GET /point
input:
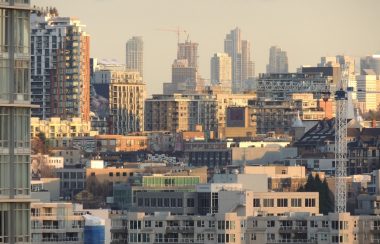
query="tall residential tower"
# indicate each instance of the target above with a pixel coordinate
(15, 122)
(278, 61)
(60, 66)
(135, 54)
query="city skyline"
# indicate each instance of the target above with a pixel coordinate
(261, 29)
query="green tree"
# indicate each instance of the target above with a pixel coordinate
(314, 184)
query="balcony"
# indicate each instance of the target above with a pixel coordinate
(179, 229)
(177, 240)
(292, 241)
(287, 229)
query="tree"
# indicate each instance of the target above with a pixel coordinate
(314, 184)
(40, 144)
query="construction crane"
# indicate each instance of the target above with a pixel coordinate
(178, 31)
(341, 143)
(341, 122)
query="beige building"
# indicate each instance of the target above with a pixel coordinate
(240, 123)
(126, 100)
(221, 70)
(227, 225)
(56, 223)
(226, 100)
(179, 112)
(296, 227)
(367, 86)
(309, 228)
(57, 128)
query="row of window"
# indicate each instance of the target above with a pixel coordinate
(165, 202)
(335, 225)
(284, 202)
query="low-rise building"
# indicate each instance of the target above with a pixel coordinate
(56, 223)
(57, 128)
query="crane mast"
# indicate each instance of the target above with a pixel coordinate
(341, 143)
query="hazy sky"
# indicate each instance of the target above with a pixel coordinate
(306, 29)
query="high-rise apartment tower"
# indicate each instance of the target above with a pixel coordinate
(15, 121)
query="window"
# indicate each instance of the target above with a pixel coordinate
(173, 202)
(139, 202)
(313, 224)
(179, 203)
(135, 225)
(117, 173)
(158, 224)
(4, 73)
(21, 73)
(268, 202)
(153, 202)
(159, 202)
(270, 237)
(296, 202)
(166, 202)
(110, 174)
(147, 224)
(200, 223)
(4, 175)
(282, 202)
(310, 202)
(22, 128)
(325, 223)
(256, 202)
(270, 223)
(4, 37)
(190, 202)
(146, 202)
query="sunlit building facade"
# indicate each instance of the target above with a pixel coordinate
(14, 121)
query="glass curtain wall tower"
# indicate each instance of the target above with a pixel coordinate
(14, 121)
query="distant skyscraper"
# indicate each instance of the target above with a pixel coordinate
(341, 61)
(221, 70)
(135, 54)
(188, 50)
(278, 61)
(60, 67)
(240, 53)
(370, 62)
(185, 78)
(15, 122)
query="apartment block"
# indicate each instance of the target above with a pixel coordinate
(179, 112)
(56, 127)
(60, 66)
(56, 223)
(309, 228)
(126, 98)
